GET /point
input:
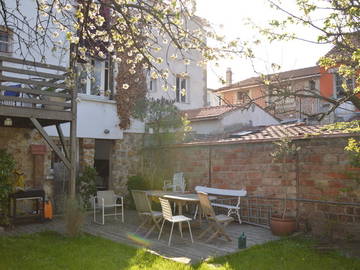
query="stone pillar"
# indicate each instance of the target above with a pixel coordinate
(87, 152)
(38, 151)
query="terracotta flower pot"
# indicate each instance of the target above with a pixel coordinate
(282, 226)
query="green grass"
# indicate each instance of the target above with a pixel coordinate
(50, 250)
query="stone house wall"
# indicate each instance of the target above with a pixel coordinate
(125, 161)
(321, 172)
(17, 142)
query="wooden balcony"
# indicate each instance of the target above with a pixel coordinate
(33, 90)
(35, 95)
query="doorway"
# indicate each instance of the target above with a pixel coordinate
(102, 163)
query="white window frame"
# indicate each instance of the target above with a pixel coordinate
(179, 98)
(152, 85)
(335, 90)
(103, 69)
(245, 95)
(9, 43)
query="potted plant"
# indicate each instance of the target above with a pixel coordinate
(280, 223)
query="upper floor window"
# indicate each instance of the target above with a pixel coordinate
(339, 89)
(182, 89)
(242, 97)
(152, 85)
(95, 78)
(312, 85)
(5, 40)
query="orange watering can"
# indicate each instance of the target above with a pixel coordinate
(48, 210)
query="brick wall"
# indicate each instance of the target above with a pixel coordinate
(319, 173)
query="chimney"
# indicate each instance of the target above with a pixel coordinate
(228, 76)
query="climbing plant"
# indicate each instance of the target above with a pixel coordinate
(87, 185)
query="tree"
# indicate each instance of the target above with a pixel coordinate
(340, 26)
(138, 35)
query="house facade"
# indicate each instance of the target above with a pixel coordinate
(225, 119)
(315, 80)
(100, 141)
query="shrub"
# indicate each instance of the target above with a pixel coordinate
(74, 217)
(87, 185)
(7, 166)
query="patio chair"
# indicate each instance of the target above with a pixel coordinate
(108, 199)
(167, 215)
(143, 207)
(217, 222)
(177, 183)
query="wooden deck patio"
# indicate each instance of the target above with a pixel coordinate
(181, 250)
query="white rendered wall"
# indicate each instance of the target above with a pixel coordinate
(235, 119)
(254, 116)
(58, 57)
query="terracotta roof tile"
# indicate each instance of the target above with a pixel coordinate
(272, 133)
(286, 75)
(209, 112)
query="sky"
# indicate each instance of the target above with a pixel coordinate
(233, 15)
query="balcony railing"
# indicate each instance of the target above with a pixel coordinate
(33, 88)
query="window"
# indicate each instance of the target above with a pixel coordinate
(339, 89)
(152, 85)
(96, 79)
(5, 40)
(242, 97)
(182, 89)
(312, 85)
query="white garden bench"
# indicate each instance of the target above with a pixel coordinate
(232, 208)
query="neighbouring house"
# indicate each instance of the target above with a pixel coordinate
(100, 142)
(325, 83)
(227, 118)
(253, 89)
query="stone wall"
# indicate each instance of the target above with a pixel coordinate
(17, 142)
(125, 161)
(86, 152)
(320, 172)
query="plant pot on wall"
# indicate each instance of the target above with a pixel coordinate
(282, 226)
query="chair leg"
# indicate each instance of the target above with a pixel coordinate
(215, 234)
(204, 232)
(142, 224)
(171, 231)
(180, 229)
(162, 226)
(196, 211)
(103, 215)
(238, 215)
(192, 240)
(94, 212)
(122, 213)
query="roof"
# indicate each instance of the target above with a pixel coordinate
(286, 75)
(273, 133)
(208, 113)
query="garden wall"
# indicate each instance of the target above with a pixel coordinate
(320, 172)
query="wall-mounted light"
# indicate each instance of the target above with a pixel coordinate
(106, 131)
(8, 122)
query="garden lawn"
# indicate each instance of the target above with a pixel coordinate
(50, 250)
